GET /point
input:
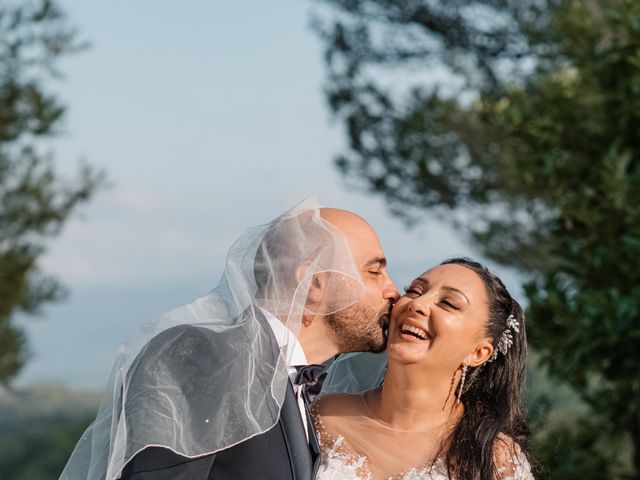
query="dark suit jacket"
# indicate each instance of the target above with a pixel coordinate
(281, 453)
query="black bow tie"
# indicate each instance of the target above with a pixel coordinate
(311, 376)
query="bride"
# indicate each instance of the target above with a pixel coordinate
(450, 404)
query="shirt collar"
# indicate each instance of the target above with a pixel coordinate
(290, 347)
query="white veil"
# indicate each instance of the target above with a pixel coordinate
(355, 372)
(208, 375)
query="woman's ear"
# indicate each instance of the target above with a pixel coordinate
(481, 354)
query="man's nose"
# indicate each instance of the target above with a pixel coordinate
(390, 292)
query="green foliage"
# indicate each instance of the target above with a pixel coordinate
(532, 147)
(567, 440)
(34, 201)
(576, 450)
(42, 452)
(39, 429)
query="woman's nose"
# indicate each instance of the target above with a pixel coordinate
(418, 307)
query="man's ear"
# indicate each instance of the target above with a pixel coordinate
(316, 290)
(316, 287)
(481, 354)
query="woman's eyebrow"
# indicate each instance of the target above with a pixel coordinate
(452, 289)
(446, 287)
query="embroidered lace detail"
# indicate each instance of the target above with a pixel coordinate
(339, 465)
(520, 470)
(512, 464)
(341, 462)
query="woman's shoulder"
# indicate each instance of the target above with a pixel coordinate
(334, 414)
(510, 459)
(338, 404)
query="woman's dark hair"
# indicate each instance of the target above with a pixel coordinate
(492, 392)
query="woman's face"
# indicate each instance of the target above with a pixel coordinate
(440, 320)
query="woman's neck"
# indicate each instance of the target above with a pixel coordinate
(412, 401)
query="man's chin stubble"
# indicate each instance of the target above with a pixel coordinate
(375, 341)
(353, 333)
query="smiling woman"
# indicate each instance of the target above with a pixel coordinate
(450, 404)
(443, 313)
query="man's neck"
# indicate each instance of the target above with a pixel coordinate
(290, 346)
(316, 341)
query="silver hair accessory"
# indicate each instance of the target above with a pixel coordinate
(506, 339)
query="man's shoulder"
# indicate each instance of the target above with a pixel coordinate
(200, 346)
(183, 348)
(182, 332)
(205, 334)
(180, 337)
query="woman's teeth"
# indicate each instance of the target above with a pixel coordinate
(415, 331)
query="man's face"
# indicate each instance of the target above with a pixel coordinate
(361, 327)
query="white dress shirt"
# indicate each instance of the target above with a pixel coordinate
(293, 355)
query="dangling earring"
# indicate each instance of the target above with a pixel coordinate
(464, 376)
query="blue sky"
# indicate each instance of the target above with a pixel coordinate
(208, 118)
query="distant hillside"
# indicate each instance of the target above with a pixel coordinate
(39, 427)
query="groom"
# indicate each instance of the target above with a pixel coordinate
(289, 449)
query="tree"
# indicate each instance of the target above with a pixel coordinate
(530, 145)
(35, 201)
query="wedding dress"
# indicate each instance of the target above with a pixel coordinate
(355, 446)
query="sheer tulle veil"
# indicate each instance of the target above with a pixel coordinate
(355, 372)
(158, 394)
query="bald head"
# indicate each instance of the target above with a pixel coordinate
(337, 217)
(362, 239)
(283, 248)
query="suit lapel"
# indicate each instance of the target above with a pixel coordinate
(295, 437)
(302, 455)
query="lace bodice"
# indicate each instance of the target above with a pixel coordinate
(357, 448)
(339, 464)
